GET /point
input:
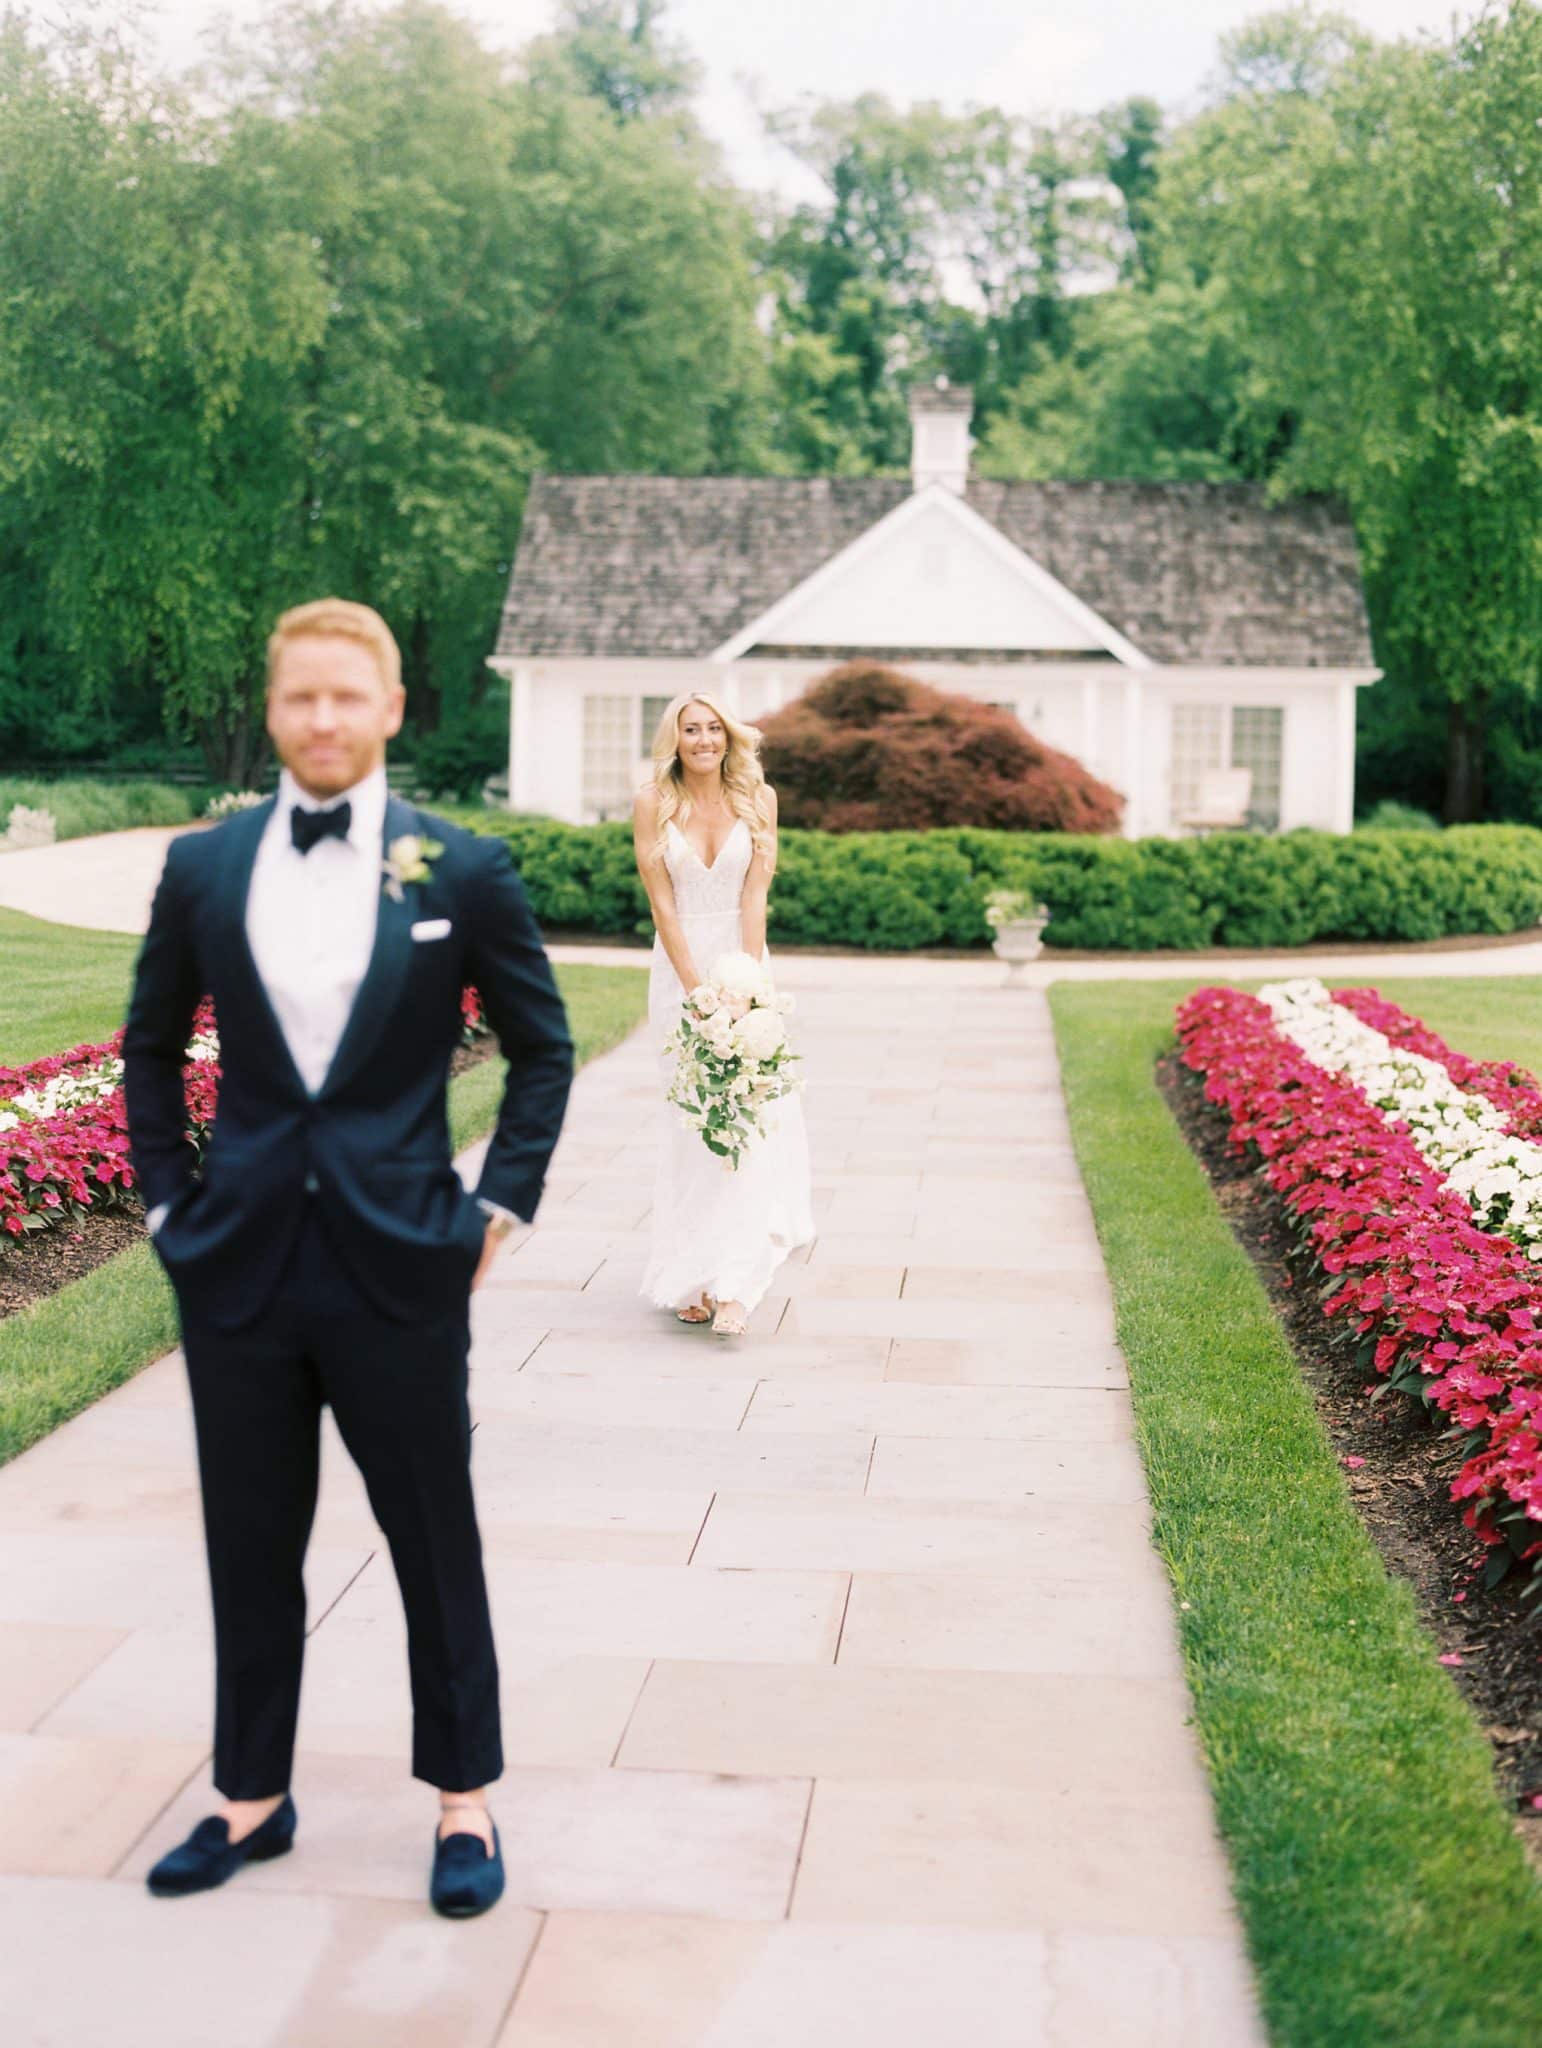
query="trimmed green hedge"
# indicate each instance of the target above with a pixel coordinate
(895, 891)
(82, 807)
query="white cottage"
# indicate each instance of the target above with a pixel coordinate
(1193, 645)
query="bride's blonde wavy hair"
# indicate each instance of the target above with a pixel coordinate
(744, 782)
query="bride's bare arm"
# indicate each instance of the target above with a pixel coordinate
(757, 888)
(661, 891)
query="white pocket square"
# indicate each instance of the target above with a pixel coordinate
(432, 928)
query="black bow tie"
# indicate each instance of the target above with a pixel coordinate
(309, 828)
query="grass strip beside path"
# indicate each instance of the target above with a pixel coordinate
(1385, 1895)
(60, 1356)
(59, 987)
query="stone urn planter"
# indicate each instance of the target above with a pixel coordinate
(28, 827)
(1017, 923)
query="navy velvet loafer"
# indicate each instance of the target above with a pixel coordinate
(468, 1876)
(208, 1856)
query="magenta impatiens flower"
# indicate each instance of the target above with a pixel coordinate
(55, 1169)
(1449, 1313)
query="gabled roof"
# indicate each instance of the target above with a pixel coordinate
(657, 566)
(883, 589)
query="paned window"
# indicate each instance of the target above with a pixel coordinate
(1210, 738)
(1199, 748)
(1258, 742)
(610, 755)
(653, 709)
(618, 747)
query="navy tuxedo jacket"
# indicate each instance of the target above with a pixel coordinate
(372, 1147)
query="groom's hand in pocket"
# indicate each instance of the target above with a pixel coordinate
(502, 1229)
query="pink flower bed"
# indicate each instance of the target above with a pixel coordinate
(1448, 1313)
(14, 1079)
(59, 1169)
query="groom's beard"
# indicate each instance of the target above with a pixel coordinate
(323, 782)
(328, 769)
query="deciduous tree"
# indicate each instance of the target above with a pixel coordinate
(1372, 216)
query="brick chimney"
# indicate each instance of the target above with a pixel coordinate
(940, 413)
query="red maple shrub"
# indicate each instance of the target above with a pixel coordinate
(869, 749)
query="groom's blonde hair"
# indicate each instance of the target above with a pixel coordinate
(336, 618)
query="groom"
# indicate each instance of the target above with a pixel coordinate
(328, 1252)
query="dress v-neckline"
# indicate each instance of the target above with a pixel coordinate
(708, 866)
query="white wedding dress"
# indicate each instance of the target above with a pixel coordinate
(716, 1230)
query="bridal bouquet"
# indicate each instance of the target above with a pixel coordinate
(731, 1053)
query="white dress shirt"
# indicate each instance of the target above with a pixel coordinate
(310, 922)
(310, 919)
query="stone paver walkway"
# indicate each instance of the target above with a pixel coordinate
(841, 1688)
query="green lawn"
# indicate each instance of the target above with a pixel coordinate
(1385, 1896)
(58, 1357)
(1491, 1017)
(59, 986)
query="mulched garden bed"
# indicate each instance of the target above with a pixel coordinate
(39, 1264)
(1402, 1488)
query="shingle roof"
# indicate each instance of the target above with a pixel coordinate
(659, 566)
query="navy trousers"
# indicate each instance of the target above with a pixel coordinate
(398, 1392)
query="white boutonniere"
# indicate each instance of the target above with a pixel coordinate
(407, 861)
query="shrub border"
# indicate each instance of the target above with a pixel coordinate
(909, 891)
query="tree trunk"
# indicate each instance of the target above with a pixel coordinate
(1466, 744)
(418, 674)
(234, 745)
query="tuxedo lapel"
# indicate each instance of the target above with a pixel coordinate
(245, 832)
(388, 962)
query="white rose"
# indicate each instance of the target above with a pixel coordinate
(718, 1032)
(738, 972)
(759, 1035)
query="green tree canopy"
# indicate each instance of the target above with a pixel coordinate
(1371, 216)
(313, 327)
(311, 322)
(946, 242)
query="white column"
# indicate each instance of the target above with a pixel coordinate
(1344, 778)
(724, 684)
(1090, 723)
(522, 740)
(1133, 754)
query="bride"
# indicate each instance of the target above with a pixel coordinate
(705, 834)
